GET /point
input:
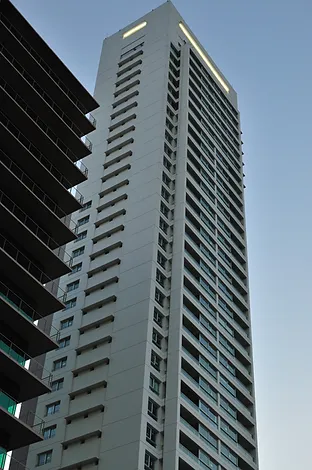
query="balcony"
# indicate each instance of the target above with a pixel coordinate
(14, 366)
(38, 206)
(25, 273)
(18, 431)
(18, 315)
(71, 95)
(39, 243)
(75, 172)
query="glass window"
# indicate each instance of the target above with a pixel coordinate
(154, 384)
(151, 434)
(72, 286)
(83, 220)
(44, 458)
(78, 252)
(156, 338)
(70, 303)
(60, 363)
(158, 317)
(53, 408)
(57, 385)
(64, 342)
(155, 360)
(152, 409)
(81, 236)
(149, 461)
(49, 432)
(67, 323)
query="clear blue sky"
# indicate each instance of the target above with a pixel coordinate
(264, 49)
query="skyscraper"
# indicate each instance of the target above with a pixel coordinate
(155, 367)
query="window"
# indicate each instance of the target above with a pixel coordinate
(59, 363)
(70, 303)
(78, 252)
(49, 432)
(166, 179)
(227, 429)
(149, 461)
(157, 338)
(86, 206)
(72, 286)
(83, 221)
(159, 297)
(152, 409)
(154, 384)
(160, 278)
(81, 236)
(76, 268)
(64, 342)
(155, 360)
(227, 385)
(165, 194)
(53, 408)
(229, 454)
(151, 435)
(161, 259)
(158, 317)
(44, 457)
(164, 209)
(57, 385)
(162, 242)
(228, 407)
(163, 225)
(167, 164)
(67, 323)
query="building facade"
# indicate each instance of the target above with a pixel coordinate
(155, 368)
(42, 122)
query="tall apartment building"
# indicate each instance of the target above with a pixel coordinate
(42, 120)
(155, 366)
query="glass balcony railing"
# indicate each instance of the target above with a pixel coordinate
(25, 262)
(28, 312)
(44, 95)
(35, 189)
(43, 64)
(6, 460)
(29, 418)
(38, 155)
(34, 228)
(19, 356)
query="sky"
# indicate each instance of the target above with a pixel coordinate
(264, 49)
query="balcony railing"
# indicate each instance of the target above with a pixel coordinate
(38, 155)
(30, 418)
(34, 228)
(91, 119)
(19, 356)
(35, 189)
(25, 262)
(40, 123)
(29, 312)
(6, 460)
(44, 95)
(43, 64)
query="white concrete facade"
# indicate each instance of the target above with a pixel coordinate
(158, 372)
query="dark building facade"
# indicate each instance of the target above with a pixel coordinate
(44, 116)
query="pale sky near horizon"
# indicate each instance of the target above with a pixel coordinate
(264, 50)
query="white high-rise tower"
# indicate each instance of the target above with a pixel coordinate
(155, 369)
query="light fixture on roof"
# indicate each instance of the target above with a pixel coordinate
(204, 57)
